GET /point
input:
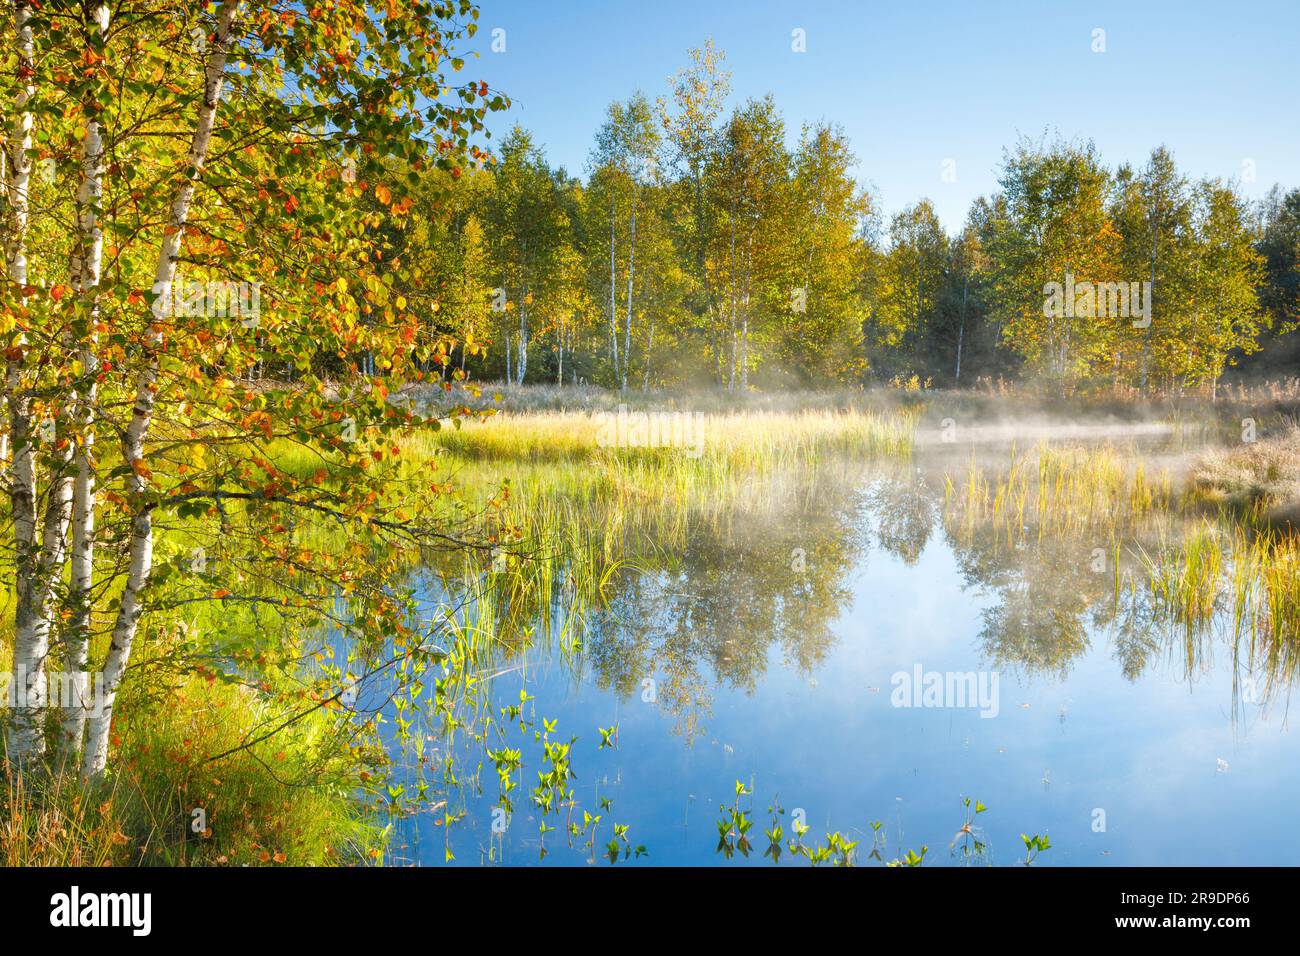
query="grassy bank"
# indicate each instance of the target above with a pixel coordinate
(168, 803)
(1260, 477)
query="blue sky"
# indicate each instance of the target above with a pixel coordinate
(916, 83)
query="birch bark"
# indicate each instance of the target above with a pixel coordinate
(25, 741)
(140, 560)
(82, 556)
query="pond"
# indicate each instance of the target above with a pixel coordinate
(861, 658)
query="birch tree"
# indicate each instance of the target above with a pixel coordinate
(627, 147)
(822, 337)
(752, 180)
(530, 237)
(912, 275)
(1055, 226)
(223, 170)
(1225, 316)
(690, 121)
(35, 564)
(1153, 213)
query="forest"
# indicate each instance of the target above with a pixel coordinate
(699, 250)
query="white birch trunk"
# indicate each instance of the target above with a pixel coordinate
(559, 355)
(613, 297)
(82, 556)
(631, 272)
(25, 740)
(141, 547)
(649, 353)
(522, 352)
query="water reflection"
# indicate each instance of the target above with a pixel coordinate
(713, 613)
(761, 646)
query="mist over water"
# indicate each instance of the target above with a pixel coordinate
(770, 649)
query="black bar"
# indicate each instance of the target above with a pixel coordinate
(334, 907)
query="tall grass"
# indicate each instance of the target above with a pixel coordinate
(567, 510)
(55, 822)
(1066, 491)
(1186, 583)
(288, 800)
(753, 439)
(576, 513)
(1231, 573)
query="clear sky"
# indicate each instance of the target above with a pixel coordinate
(915, 83)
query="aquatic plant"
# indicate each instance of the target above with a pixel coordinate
(1034, 845)
(968, 841)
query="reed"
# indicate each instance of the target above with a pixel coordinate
(1065, 491)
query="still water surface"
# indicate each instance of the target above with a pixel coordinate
(772, 654)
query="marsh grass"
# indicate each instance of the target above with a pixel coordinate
(1259, 481)
(1254, 575)
(566, 512)
(1277, 623)
(55, 822)
(1210, 573)
(1239, 584)
(1186, 581)
(1057, 491)
(752, 439)
(574, 516)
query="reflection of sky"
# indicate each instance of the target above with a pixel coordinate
(1146, 753)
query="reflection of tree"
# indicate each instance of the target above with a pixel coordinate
(1134, 626)
(727, 599)
(1051, 596)
(763, 572)
(1056, 589)
(1054, 596)
(903, 507)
